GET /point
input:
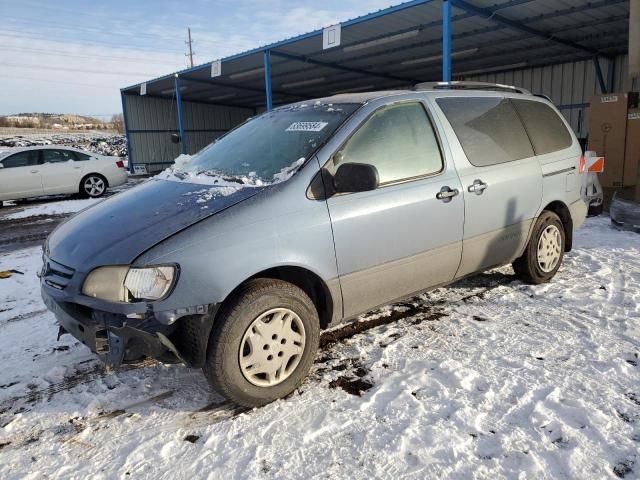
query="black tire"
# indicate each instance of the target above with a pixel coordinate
(595, 210)
(527, 267)
(254, 298)
(87, 192)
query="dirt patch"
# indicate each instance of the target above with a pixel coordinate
(191, 438)
(622, 469)
(354, 386)
(349, 330)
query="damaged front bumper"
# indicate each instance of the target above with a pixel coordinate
(123, 333)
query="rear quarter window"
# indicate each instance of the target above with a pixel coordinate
(488, 129)
(547, 131)
(81, 157)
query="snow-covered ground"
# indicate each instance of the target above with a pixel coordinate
(489, 378)
(59, 204)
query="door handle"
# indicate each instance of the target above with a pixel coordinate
(446, 194)
(477, 187)
(35, 171)
(77, 168)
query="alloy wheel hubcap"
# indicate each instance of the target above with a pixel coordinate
(272, 347)
(94, 186)
(549, 248)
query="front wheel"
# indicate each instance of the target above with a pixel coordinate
(263, 342)
(93, 186)
(545, 250)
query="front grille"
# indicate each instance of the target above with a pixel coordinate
(55, 274)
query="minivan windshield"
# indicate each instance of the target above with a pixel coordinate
(268, 148)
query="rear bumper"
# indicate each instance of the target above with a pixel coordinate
(578, 212)
(118, 178)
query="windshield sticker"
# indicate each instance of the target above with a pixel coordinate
(306, 126)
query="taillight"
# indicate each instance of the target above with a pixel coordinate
(120, 164)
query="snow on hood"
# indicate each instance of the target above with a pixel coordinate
(220, 184)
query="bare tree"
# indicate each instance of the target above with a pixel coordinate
(117, 121)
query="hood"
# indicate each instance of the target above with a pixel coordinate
(120, 228)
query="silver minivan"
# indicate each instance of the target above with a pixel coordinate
(234, 259)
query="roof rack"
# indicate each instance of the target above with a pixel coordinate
(470, 86)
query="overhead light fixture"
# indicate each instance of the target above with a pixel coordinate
(512, 66)
(248, 73)
(434, 58)
(171, 90)
(223, 97)
(381, 41)
(301, 83)
(354, 89)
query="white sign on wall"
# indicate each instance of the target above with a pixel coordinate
(331, 37)
(143, 88)
(140, 169)
(216, 68)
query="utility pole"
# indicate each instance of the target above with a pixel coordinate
(190, 54)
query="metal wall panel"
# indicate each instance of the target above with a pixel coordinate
(151, 121)
(569, 85)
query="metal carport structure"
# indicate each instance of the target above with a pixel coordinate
(420, 40)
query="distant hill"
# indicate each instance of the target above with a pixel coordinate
(54, 121)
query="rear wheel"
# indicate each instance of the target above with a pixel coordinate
(544, 253)
(263, 342)
(93, 186)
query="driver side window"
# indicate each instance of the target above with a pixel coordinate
(22, 159)
(398, 140)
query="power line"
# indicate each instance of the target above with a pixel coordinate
(46, 80)
(129, 46)
(78, 28)
(76, 70)
(90, 29)
(80, 55)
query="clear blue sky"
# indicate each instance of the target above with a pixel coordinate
(73, 56)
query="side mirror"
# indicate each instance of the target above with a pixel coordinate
(175, 138)
(355, 177)
(1, 165)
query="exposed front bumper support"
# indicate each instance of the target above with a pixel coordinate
(114, 338)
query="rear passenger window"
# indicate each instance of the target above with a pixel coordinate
(488, 129)
(57, 156)
(546, 130)
(398, 140)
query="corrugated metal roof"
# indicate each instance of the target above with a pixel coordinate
(401, 46)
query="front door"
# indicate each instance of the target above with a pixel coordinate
(20, 176)
(406, 235)
(501, 179)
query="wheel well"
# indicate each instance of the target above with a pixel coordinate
(308, 282)
(560, 209)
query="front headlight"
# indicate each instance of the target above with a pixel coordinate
(151, 283)
(125, 284)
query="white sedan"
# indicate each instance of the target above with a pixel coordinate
(37, 171)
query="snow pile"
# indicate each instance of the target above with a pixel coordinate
(221, 183)
(488, 378)
(113, 145)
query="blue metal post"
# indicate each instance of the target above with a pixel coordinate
(183, 139)
(599, 76)
(267, 78)
(126, 132)
(446, 40)
(611, 74)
